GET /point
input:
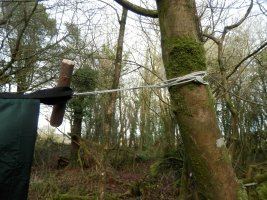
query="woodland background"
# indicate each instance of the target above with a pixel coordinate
(128, 144)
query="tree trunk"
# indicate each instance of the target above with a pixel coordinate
(76, 129)
(133, 111)
(110, 109)
(193, 104)
(234, 135)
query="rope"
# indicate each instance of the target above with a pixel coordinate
(196, 77)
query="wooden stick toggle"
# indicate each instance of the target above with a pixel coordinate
(64, 80)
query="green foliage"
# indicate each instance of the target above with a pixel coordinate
(48, 149)
(84, 79)
(40, 25)
(242, 193)
(161, 179)
(50, 186)
(259, 192)
(124, 157)
(39, 29)
(262, 191)
(44, 188)
(143, 155)
(71, 197)
(27, 34)
(74, 35)
(170, 162)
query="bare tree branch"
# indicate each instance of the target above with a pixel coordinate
(214, 39)
(227, 28)
(137, 9)
(247, 57)
(112, 8)
(263, 10)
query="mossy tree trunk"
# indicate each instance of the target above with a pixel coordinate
(206, 153)
(76, 130)
(192, 104)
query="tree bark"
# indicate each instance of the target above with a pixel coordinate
(137, 9)
(110, 108)
(229, 104)
(76, 129)
(193, 104)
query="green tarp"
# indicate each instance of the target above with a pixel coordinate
(18, 129)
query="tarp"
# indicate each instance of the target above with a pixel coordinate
(18, 127)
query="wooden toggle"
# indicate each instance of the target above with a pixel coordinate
(64, 80)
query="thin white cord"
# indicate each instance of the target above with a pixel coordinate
(196, 77)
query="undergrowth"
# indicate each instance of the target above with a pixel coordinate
(131, 174)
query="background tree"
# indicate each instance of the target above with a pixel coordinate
(84, 79)
(234, 67)
(192, 104)
(26, 38)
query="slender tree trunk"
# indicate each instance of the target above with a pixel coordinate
(143, 131)
(122, 139)
(193, 104)
(229, 104)
(133, 111)
(76, 130)
(110, 107)
(169, 128)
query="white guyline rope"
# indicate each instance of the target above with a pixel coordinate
(196, 77)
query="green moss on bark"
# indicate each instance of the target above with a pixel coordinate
(226, 156)
(211, 101)
(186, 55)
(200, 170)
(181, 106)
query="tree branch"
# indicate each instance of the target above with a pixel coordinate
(137, 9)
(263, 10)
(112, 8)
(247, 57)
(227, 28)
(18, 41)
(214, 39)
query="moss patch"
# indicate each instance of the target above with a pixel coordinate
(185, 55)
(226, 156)
(201, 172)
(211, 99)
(180, 107)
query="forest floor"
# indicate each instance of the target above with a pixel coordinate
(131, 182)
(130, 175)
